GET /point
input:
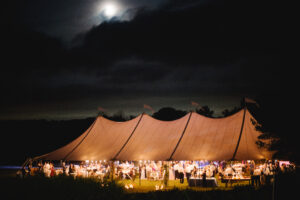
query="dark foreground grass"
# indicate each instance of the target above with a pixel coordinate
(56, 188)
(66, 188)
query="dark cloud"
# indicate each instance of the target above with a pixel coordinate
(66, 19)
(170, 49)
(200, 34)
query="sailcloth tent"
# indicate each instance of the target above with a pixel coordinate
(192, 137)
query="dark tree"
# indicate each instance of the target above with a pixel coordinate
(169, 114)
(227, 112)
(118, 117)
(205, 111)
(275, 120)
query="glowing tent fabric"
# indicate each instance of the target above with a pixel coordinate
(102, 141)
(210, 139)
(153, 139)
(192, 137)
(217, 138)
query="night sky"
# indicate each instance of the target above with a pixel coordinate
(64, 59)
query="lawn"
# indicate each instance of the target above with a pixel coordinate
(67, 188)
(147, 186)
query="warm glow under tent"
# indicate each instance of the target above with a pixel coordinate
(192, 137)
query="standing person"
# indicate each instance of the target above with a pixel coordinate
(176, 166)
(204, 178)
(257, 174)
(148, 171)
(30, 169)
(194, 172)
(143, 172)
(188, 170)
(252, 176)
(40, 167)
(64, 168)
(23, 171)
(71, 169)
(171, 172)
(252, 172)
(47, 169)
(52, 170)
(181, 173)
(267, 175)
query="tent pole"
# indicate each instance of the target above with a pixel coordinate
(187, 123)
(240, 136)
(115, 157)
(25, 163)
(65, 158)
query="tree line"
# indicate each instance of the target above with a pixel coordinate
(27, 138)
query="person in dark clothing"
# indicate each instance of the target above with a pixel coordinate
(181, 173)
(252, 176)
(40, 167)
(23, 171)
(175, 166)
(29, 169)
(177, 175)
(71, 169)
(188, 171)
(188, 176)
(194, 172)
(204, 179)
(181, 177)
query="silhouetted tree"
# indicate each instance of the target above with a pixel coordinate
(132, 117)
(205, 111)
(168, 114)
(227, 112)
(118, 117)
(275, 121)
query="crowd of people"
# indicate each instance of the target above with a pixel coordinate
(258, 173)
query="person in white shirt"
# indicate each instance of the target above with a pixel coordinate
(257, 172)
(256, 176)
(188, 170)
(176, 167)
(171, 172)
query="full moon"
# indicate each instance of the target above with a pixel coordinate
(109, 10)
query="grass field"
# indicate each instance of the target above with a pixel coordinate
(147, 186)
(62, 187)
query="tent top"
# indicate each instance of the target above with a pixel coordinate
(192, 137)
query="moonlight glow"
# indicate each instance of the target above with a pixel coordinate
(109, 10)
